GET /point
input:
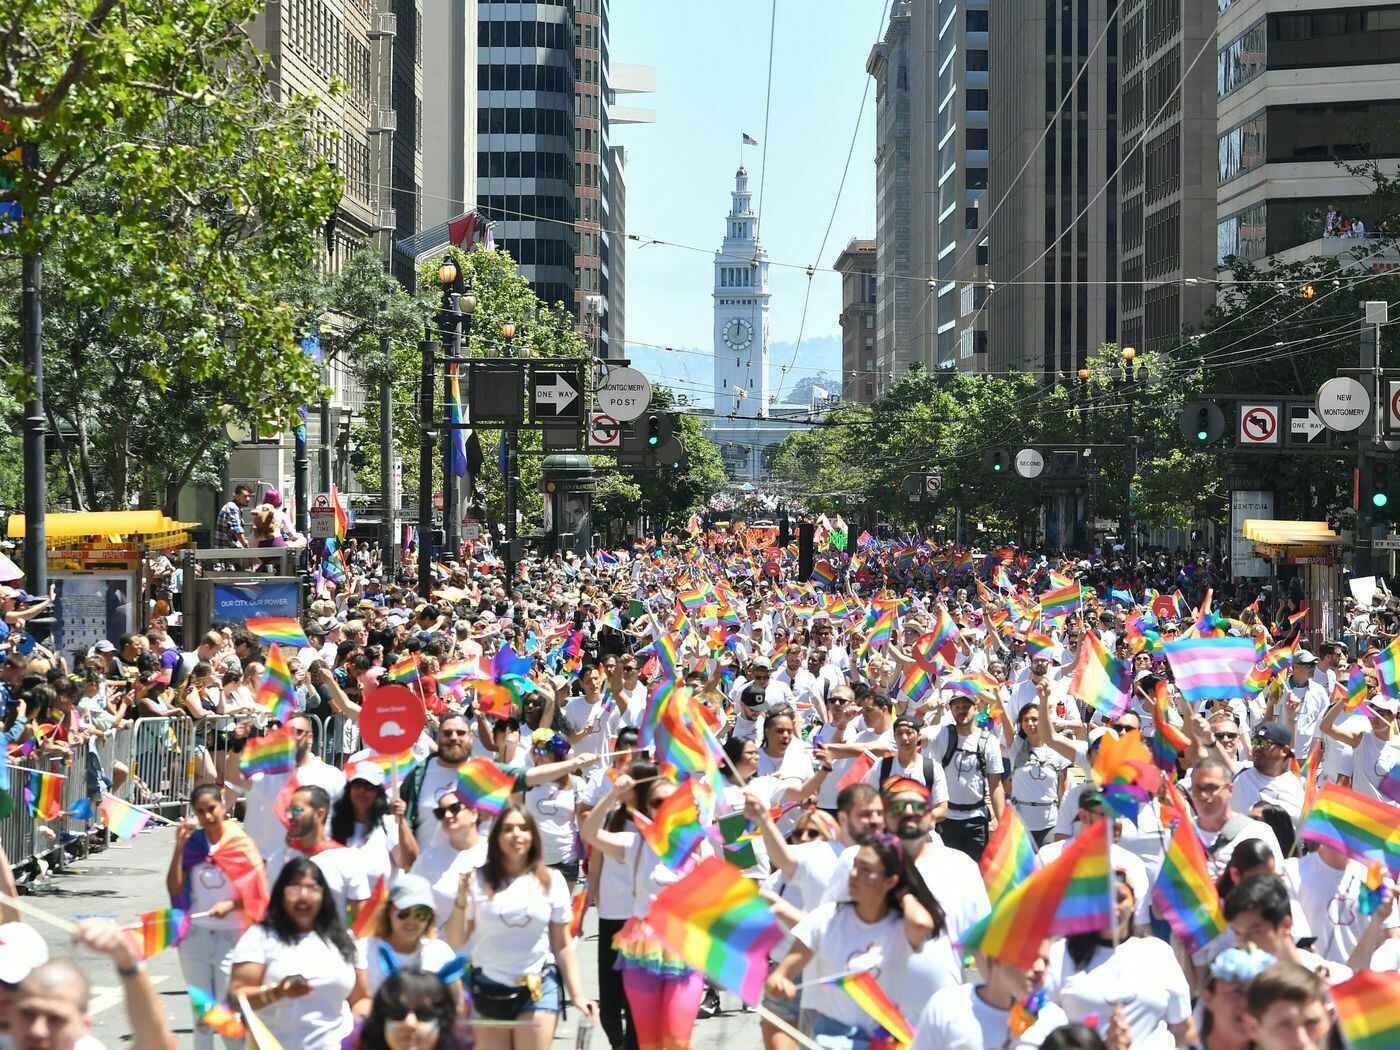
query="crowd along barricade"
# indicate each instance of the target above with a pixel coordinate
(164, 765)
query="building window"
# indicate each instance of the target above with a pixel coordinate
(976, 60)
(1241, 149)
(1241, 60)
(976, 99)
(1243, 234)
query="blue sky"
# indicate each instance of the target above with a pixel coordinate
(711, 62)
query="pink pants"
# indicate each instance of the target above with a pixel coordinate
(663, 1008)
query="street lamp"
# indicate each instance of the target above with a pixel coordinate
(449, 329)
(1129, 355)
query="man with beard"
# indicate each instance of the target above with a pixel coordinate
(343, 868)
(909, 815)
(818, 870)
(269, 793)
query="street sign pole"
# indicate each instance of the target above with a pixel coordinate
(1370, 360)
(510, 511)
(426, 447)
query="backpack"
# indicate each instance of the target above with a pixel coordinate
(887, 764)
(952, 748)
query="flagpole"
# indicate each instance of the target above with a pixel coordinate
(149, 812)
(1112, 882)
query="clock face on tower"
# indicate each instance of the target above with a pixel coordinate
(738, 334)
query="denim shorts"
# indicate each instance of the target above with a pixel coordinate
(551, 1000)
(836, 1035)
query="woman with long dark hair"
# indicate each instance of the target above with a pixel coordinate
(889, 917)
(512, 915)
(412, 1010)
(297, 966)
(363, 819)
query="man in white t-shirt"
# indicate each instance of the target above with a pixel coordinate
(908, 761)
(594, 718)
(262, 819)
(1268, 779)
(343, 868)
(1219, 828)
(1259, 912)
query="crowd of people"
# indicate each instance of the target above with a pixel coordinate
(366, 900)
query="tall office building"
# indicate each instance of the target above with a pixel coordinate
(449, 111)
(860, 315)
(1167, 185)
(406, 192)
(1300, 90)
(1053, 245)
(525, 138)
(895, 285)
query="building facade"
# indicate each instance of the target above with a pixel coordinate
(1053, 244)
(895, 286)
(1166, 126)
(741, 302)
(1301, 89)
(525, 138)
(860, 319)
(449, 111)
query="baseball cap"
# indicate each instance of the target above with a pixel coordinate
(104, 646)
(761, 663)
(21, 950)
(1274, 733)
(368, 772)
(411, 891)
(1304, 656)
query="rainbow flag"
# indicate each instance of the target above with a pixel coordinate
(284, 630)
(370, 911)
(870, 997)
(1060, 602)
(668, 654)
(456, 417)
(395, 765)
(1361, 827)
(1101, 680)
(485, 785)
(1309, 774)
(978, 686)
(404, 671)
(1356, 687)
(342, 519)
(1009, 857)
(578, 906)
(1209, 668)
(44, 794)
(1387, 665)
(273, 754)
(915, 683)
(1040, 645)
(276, 691)
(1184, 893)
(1071, 894)
(122, 819)
(882, 630)
(1372, 889)
(161, 929)
(492, 700)
(715, 920)
(454, 671)
(1169, 743)
(824, 573)
(1368, 1009)
(215, 1014)
(675, 832)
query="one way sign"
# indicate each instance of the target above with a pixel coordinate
(554, 395)
(1305, 426)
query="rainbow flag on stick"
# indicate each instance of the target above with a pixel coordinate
(1361, 827)
(1009, 857)
(161, 929)
(715, 920)
(122, 819)
(1387, 664)
(215, 1014)
(1169, 743)
(1071, 894)
(1060, 602)
(485, 785)
(1368, 1009)
(675, 832)
(1184, 893)
(405, 671)
(870, 997)
(44, 794)
(273, 754)
(277, 691)
(1101, 680)
(283, 630)
(370, 911)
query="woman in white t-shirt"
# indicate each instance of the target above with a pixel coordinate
(1037, 774)
(974, 1016)
(891, 915)
(553, 805)
(362, 819)
(297, 966)
(512, 916)
(404, 939)
(783, 754)
(1091, 973)
(458, 850)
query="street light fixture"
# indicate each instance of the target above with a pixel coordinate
(447, 272)
(508, 329)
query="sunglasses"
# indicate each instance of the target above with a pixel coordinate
(806, 835)
(417, 913)
(398, 1016)
(909, 805)
(449, 810)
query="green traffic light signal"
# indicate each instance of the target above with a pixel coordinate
(1201, 435)
(1379, 499)
(996, 467)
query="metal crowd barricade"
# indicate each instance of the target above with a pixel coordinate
(164, 765)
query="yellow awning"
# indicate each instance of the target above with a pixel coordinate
(73, 524)
(1290, 533)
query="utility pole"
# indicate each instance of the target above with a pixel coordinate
(382, 125)
(427, 439)
(1130, 526)
(450, 323)
(511, 471)
(1376, 315)
(36, 558)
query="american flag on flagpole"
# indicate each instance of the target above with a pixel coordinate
(749, 140)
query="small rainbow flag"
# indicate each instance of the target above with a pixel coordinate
(456, 416)
(455, 671)
(1361, 827)
(214, 1014)
(161, 929)
(276, 691)
(122, 819)
(578, 906)
(1071, 894)
(882, 630)
(399, 765)
(870, 997)
(1169, 743)
(915, 683)
(273, 754)
(1184, 893)
(1101, 679)
(1009, 857)
(1039, 645)
(405, 670)
(715, 920)
(485, 785)
(675, 832)
(44, 794)
(824, 573)
(1368, 1009)
(1372, 889)
(1387, 664)
(1356, 687)
(492, 700)
(283, 630)
(371, 909)
(1060, 602)
(342, 519)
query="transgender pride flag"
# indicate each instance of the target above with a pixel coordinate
(1210, 668)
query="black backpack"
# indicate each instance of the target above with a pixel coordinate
(887, 764)
(952, 748)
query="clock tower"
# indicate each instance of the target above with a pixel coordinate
(741, 312)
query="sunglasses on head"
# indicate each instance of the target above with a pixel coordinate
(449, 810)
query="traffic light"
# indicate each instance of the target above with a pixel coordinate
(1382, 501)
(1202, 423)
(653, 431)
(998, 460)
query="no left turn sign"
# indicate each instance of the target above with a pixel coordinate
(1259, 424)
(603, 431)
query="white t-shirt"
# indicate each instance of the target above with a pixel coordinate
(376, 847)
(967, 786)
(208, 886)
(1371, 760)
(615, 883)
(605, 717)
(840, 940)
(510, 938)
(261, 821)
(956, 883)
(444, 870)
(914, 771)
(1219, 847)
(1035, 784)
(1252, 786)
(552, 805)
(432, 955)
(1119, 977)
(318, 1021)
(343, 868)
(1329, 899)
(795, 763)
(959, 1019)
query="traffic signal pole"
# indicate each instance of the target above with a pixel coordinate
(1365, 523)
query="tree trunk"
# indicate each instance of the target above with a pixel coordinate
(177, 482)
(85, 457)
(63, 451)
